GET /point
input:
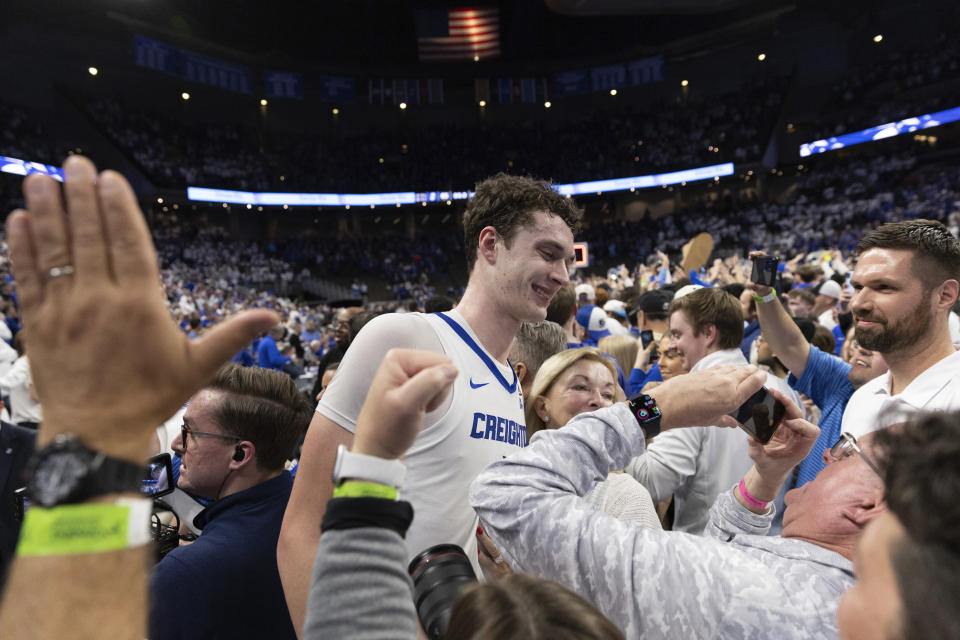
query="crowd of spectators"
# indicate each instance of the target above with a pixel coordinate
(626, 140)
(903, 83)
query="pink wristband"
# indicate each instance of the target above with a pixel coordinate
(753, 502)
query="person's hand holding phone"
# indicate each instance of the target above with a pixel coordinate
(790, 443)
(760, 289)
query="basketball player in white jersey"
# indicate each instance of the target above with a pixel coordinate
(519, 244)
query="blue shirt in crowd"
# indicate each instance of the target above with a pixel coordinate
(824, 381)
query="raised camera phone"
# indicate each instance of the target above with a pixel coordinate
(765, 270)
(646, 337)
(760, 415)
(157, 481)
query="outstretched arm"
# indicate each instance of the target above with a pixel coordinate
(779, 330)
(110, 303)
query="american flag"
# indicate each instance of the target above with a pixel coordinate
(459, 34)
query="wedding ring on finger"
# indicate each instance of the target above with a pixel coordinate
(57, 272)
(498, 559)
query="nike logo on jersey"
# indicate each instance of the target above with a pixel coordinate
(474, 385)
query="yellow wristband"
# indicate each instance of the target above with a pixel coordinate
(357, 489)
(85, 528)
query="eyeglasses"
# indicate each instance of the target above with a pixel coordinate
(847, 446)
(187, 431)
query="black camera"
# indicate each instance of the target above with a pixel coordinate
(438, 574)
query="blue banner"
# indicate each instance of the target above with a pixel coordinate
(337, 89)
(283, 84)
(646, 70)
(604, 78)
(216, 73)
(156, 55)
(570, 83)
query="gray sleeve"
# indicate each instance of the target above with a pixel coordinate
(670, 459)
(729, 518)
(360, 589)
(344, 397)
(529, 503)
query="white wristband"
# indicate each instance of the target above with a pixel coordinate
(371, 468)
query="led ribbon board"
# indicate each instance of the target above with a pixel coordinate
(880, 132)
(410, 197)
(230, 196)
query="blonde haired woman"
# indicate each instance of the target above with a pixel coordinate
(578, 381)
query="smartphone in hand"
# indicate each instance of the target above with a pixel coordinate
(760, 415)
(765, 270)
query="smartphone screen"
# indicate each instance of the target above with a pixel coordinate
(760, 415)
(156, 482)
(646, 337)
(765, 270)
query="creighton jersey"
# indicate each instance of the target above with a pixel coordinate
(484, 424)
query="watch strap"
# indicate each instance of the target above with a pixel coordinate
(114, 475)
(644, 408)
(357, 466)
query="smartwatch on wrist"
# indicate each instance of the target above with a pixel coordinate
(357, 466)
(644, 408)
(67, 471)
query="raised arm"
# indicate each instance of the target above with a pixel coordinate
(89, 286)
(779, 330)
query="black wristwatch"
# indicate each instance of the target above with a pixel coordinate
(645, 410)
(67, 471)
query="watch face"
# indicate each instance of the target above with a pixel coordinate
(59, 473)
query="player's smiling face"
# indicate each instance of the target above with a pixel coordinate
(533, 265)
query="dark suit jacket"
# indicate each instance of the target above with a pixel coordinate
(16, 447)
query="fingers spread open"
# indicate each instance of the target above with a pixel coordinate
(86, 225)
(22, 255)
(131, 253)
(48, 225)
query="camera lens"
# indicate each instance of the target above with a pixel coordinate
(438, 575)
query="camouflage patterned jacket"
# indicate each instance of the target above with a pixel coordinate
(732, 582)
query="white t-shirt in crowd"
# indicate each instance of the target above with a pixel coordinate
(696, 464)
(482, 421)
(17, 383)
(871, 407)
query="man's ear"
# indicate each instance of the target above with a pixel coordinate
(868, 508)
(243, 454)
(945, 296)
(487, 244)
(521, 370)
(710, 333)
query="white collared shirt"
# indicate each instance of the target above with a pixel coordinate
(872, 407)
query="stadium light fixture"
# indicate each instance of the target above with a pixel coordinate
(249, 206)
(335, 111)
(684, 83)
(762, 57)
(403, 105)
(185, 95)
(613, 92)
(476, 58)
(159, 200)
(483, 103)
(93, 71)
(547, 105)
(878, 38)
(263, 102)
